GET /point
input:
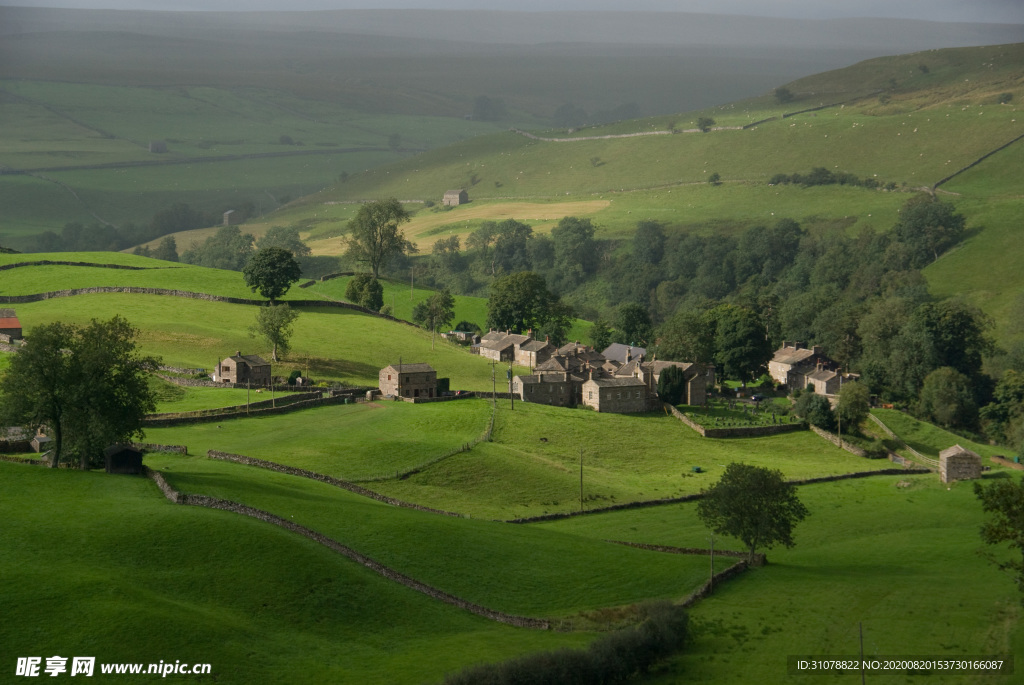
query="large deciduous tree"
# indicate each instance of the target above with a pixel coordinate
(519, 301)
(753, 504)
(274, 324)
(1004, 501)
(928, 227)
(742, 348)
(272, 271)
(374, 234)
(87, 385)
(437, 311)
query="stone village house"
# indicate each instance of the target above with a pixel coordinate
(243, 368)
(408, 380)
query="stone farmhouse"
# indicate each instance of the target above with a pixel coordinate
(454, 198)
(577, 375)
(9, 326)
(408, 380)
(243, 368)
(524, 350)
(795, 366)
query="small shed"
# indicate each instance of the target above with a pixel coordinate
(10, 327)
(454, 198)
(123, 459)
(41, 443)
(232, 218)
(957, 463)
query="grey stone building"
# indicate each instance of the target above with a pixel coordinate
(408, 380)
(958, 463)
(454, 198)
(244, 368)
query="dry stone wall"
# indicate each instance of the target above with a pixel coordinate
(375, 566)
(739, 432)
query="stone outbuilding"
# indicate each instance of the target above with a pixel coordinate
(244, 368)
(958, 463)
(122, 459)
(454, 198)
(232, 218)
(10, 326)
(408, 380)
(556, 389)
(623, 395)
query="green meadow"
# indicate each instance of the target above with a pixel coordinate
(106, 567)
(501, 566)
(333, 344)
(532, 465)
(895, 555)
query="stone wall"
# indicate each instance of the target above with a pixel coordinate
(266, 411)
(759, 559)
(156, 447)
(330, 480)
(835, 440)
(375, 566)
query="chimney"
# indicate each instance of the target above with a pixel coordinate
(629, 354)
(783, 344)
(817, 349)
(239, 353)
(547, 338)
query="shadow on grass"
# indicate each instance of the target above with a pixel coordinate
(341, 368)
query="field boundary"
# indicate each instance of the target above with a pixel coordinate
(644, 504)
(178, 497)
(329, 480)
(465, 447)
(53, 262)
(976, 162)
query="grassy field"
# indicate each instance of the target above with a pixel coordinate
(896, 555)
(929, 439)
(336, 344)
(175, 398)
(379, 438)
(133, 578)
(501, 566)
(531, 467)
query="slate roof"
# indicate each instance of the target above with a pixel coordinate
(956, 450)
(250, 359)
(534, 345)
(619, 382)
(792, 356)
(822, 375)
(617, 351)
(412, 368)
(504, 342)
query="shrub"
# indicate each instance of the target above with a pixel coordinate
(816, 410)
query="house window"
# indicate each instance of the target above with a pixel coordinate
(389, 376)
(590, 395)
(618, 395)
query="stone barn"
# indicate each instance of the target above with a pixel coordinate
(957, 463)
(454, 198)
(9, 325)
(244, 368)
(232, 218)
(408, 380)
(122, 459)
(158, 146)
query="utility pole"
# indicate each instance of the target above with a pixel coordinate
(511, 401)
(860, 627)
(839, 414)
(581, 479)
(248, 387)
(494, 386)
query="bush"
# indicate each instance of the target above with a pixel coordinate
(614, 658)
(816, 410)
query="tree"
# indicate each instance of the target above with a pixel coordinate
(816, 410)
(649, 242)
(1004, 500)
(437, 311)
(947, 398)
(715, 179)
(365, 291)
(634, 324)
(689, 336)
(742, 348)
(783, 95)
(167, 250)
(928, 227)
(285, 237)
(88, 385)
(600, 334)
(705, 124)
(274, 324)
(272, 271)
(671, 385)
(575, 250)
(854, 404)
(228, 248)
(754, 504)
(374, 236)
(518, 302)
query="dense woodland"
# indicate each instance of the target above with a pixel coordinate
(734, 299)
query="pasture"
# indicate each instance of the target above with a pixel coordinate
(898, 555)
(134, 578)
